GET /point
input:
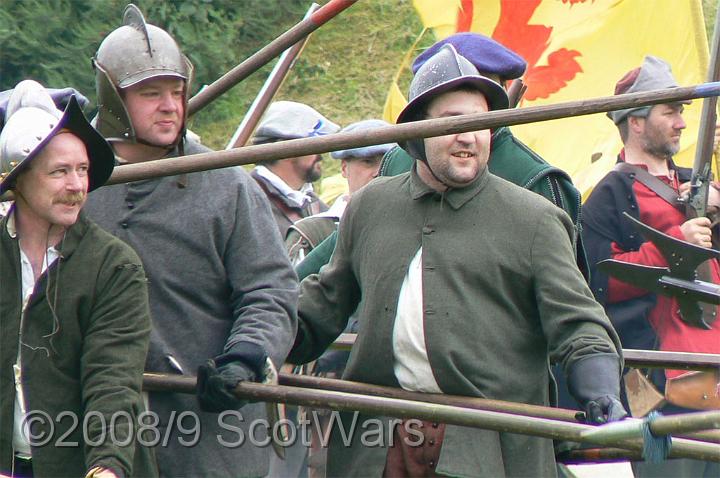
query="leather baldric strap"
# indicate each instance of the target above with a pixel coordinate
(656, 185)
(290, 213)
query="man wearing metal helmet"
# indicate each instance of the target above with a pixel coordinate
(510, 158)
(221, 285)
(75, 320)
(455, 297)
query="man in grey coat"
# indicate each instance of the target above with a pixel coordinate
(221, 286)
(467, 285)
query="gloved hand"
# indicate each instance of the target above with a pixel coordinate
(215, 385)
(605, 409)
(594, 381)
(218, 377)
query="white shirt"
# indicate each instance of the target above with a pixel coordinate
(337, 209)
(297, 198)
(412, 366)
(20, 429)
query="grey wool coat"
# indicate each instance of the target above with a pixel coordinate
(502, 297)
(218, 275)
(88, 365)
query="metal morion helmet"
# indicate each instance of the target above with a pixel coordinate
(444, 71)
(135, 52)
(32, 120)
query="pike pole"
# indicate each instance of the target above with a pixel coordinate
(532, 411)
(267, 53)
(268, 90)
(633, 357)
(490, 420)
(394, 133)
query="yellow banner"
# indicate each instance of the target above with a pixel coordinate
(578, 49)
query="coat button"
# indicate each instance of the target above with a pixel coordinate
(432, 463)
(124, 225)
(431, 442)
(435, 424)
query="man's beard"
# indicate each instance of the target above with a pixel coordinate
(313, 174)
(656, 145)
(661, 150)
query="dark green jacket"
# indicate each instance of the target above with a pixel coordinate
(501, 298)
(88, 364)
(513, 161)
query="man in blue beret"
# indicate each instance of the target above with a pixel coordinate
(509, 158)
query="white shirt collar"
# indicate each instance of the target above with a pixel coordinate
(298, 198)
(11, 230)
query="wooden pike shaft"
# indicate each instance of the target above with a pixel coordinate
(633, 357)
(572, 416)
(268, 90)
(267, 53)
(663, 425)
(708, 115)
(535, 411)
(383, 406)
(671, 360)
(394, 133)
(598, 455)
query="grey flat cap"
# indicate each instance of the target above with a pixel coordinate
(291, 120)
(654, 74)
(364, 151)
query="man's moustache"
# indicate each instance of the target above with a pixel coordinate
(71, 198)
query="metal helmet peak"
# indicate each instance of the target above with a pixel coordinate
(446, 70)
(135, 52)
(32, 120)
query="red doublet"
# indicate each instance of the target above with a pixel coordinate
(673, 334)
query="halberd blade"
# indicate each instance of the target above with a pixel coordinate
(682, 257)
(645, 277)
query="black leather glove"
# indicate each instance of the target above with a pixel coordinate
(218, 377)
(594, 381)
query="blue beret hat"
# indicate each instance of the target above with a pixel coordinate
(291, 120)
(364, 151)
(487, 55)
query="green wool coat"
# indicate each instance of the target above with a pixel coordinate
(89, 364)
(502, 297)
(513, 161)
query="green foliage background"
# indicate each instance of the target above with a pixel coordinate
(344, 70)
